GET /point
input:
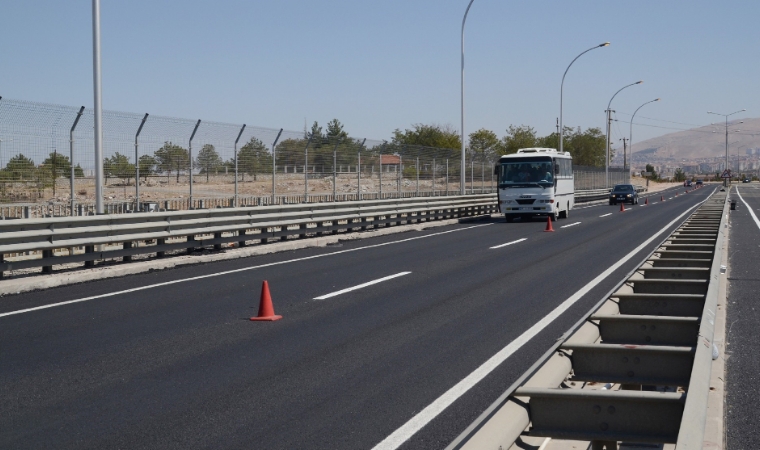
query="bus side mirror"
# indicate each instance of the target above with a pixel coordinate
(556, 169)
(496, 169)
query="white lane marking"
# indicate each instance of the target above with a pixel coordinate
(167, 283)
(416, 423)
(749, 208)
(363, 285)
(605, 215)
(571, 225)
(509, 243)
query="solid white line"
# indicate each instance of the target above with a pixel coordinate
(406, 431)
(605, 215)
(151, 286)
(571, 225)
(509, 243)
(749, 208)
(363, 285)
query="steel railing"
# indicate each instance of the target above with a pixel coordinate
(63, 240)
(636, 369)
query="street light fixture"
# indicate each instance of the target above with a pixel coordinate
(630, 131)
(726, 116)
(561, 91)
(609, 119)
(461, 171)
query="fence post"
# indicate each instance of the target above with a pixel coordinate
(71, 156)
(137, 166)
(274, 164)
(447, 177)
(190, 154)
(335, 170)
(235, 198)
(306, 170)
(417, 169)
(359, 172)
(398, 175)
(482, 177)
(432, 181)
(380, 174)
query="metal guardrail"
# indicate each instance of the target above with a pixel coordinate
(591, 195)
(63, 240)
(636, 369)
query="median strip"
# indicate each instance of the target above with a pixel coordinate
(360, 286)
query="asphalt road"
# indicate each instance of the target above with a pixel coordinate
(743, 333)
(179, 365)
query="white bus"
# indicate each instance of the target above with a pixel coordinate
(535, 181)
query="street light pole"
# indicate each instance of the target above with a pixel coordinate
(98, 119)
(561, 89)
(609, 119)
(630, 131)
(461, 171)
(726, 117)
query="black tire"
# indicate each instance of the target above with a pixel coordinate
(509, 218)
(567, 212)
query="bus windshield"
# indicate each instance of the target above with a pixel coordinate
(525, 172)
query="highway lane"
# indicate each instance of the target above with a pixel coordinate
(743, 332)
(179, 366)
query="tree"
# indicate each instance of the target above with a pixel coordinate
(20, 167)
(57, 165)
(335, 130)
(679, 175)
(586, 147)
(650, 168)
(428, 136)
(254, 157)
(119, 166)
(172, 157)
(484, 145)
(208, 159)
(147, 166)
(523, 136)
(78, 172)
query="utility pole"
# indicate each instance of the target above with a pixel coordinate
(557, 126)
(624, 153)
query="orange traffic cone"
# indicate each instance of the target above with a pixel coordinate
(662, 198)
(646, 201)
(549, 225)
(676, 193)
(266, 310)
(622, 207)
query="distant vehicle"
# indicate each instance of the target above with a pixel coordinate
(624, 193)
(746, 180)
(535, 181)
(687, 183)
(699, 182)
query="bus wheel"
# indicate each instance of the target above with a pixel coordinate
(509, 218)
(567, 212)
(554, 216)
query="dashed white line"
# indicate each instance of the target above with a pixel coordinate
(605, 215)
(360, 286)
(226, 272)
(510, 243)
(571, 225)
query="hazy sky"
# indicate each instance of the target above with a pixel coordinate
(387, 64)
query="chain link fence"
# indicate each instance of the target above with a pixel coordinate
(155, 162)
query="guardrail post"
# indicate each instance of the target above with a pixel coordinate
(191, 245)
(127, 245)
(159, 243)
(217, 236)
(447, 177)
(2, 260)
(45, 255)
(26, 212)
(302, 235)
(285, 237)
(241, 243)
(89, 249)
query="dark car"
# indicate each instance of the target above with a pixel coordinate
(699, 182)
(746, 180)
(624, 193)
